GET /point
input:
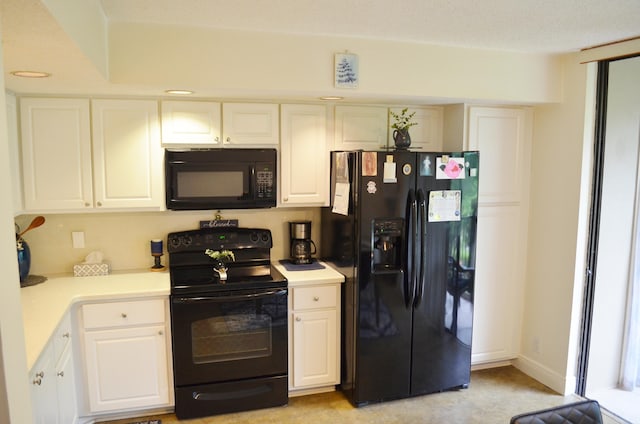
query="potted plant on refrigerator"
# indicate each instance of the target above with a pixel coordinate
(402, 123)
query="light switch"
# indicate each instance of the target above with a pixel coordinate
(77, 237)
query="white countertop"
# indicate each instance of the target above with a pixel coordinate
(44, 305)
(302, 276)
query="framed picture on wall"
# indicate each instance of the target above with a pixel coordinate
(346, 70)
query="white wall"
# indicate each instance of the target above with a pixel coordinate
(124, 238)
(13, 358)
(241, 63)
(85, 22)
(616, 223)
(560, 193)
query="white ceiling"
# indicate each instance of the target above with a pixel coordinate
(33, 40)
(521, 25)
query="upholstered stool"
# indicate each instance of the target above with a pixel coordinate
(583, 412)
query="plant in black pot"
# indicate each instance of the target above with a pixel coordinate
(401, 137)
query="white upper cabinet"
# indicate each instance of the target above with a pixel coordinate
(60, 172)
(504, 134)
(250, 125)
(191, 123)
(427, 134)
(304, 156)
(56, 154)
(360, 127)
(127, 155)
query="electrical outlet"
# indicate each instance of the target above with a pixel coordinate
(77, 238)
(535, 345)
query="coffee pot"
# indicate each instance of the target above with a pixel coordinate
(302, 247)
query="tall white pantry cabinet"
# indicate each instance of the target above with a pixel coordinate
(503, 137)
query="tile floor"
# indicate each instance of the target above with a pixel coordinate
(493, 396)
(622, 403)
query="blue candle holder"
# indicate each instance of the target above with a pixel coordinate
(156, 252)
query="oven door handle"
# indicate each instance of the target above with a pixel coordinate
(249, 296)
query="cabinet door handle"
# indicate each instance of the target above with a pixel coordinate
(87, 204)
(66, 335)
(160, 332)
(123, 315)
(228, 140)
(99, 203)
(40, 374)
(37, 381)
(316, 298)
(298, 319)
(61, 374)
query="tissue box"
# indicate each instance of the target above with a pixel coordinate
(88, 270)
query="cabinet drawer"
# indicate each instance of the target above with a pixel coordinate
(123, 314)
(61, 336)
(315, 297)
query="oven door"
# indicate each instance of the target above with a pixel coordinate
(229, 336)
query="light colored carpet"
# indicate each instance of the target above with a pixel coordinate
(494, 396)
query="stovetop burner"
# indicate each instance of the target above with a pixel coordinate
(192, 271)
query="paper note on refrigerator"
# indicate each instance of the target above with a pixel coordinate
(448, 168)
(341, 199)
(444, 205)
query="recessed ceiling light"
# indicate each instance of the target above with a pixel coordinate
(331, 98)
(182, 92)
(31, 74)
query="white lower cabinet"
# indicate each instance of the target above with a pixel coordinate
(314, 322)
(52, 378)
(66, 393)
(43, 388)
(126, 355)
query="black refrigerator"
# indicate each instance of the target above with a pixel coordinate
(402, 228)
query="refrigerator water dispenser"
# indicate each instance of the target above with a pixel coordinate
(387, 242)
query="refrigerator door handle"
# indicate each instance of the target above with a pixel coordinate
(410, 248)
(421, 229)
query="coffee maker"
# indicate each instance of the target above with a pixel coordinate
(302, 247)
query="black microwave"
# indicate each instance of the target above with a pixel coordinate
(220, 179)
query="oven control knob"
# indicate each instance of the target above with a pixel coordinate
(265, 237)
(254, 237)
(174, 242)
(187, 240)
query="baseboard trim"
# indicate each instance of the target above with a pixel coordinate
(312, 391)
(487, 365)
(564, 385)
